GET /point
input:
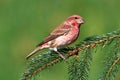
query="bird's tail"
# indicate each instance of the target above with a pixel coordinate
(33, 52)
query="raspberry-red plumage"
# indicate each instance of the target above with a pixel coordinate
(64, 34)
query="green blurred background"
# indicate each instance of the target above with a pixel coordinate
(24, 23)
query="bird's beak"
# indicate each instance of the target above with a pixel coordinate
(80, 21)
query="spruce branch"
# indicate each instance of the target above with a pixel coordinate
(79, 67)
(50, 58)
(112, 64)
(111, 67)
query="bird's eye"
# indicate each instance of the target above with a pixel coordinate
(76, 18)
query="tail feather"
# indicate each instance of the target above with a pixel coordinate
(33, 52)
(45, 45)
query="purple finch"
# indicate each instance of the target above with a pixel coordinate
(63, 35)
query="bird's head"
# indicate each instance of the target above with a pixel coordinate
(75, 20)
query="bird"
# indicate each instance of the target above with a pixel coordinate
(65, 34)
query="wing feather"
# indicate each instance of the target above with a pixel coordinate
(61, 30)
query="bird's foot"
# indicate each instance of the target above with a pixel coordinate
(63, 57)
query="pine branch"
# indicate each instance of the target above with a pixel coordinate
(112, 64)
(50, 58)
(112, 67)
(79, 67)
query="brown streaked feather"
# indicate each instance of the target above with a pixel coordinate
(61, 30)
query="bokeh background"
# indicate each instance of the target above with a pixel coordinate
(24, 23)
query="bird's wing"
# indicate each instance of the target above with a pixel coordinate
(61, 30)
